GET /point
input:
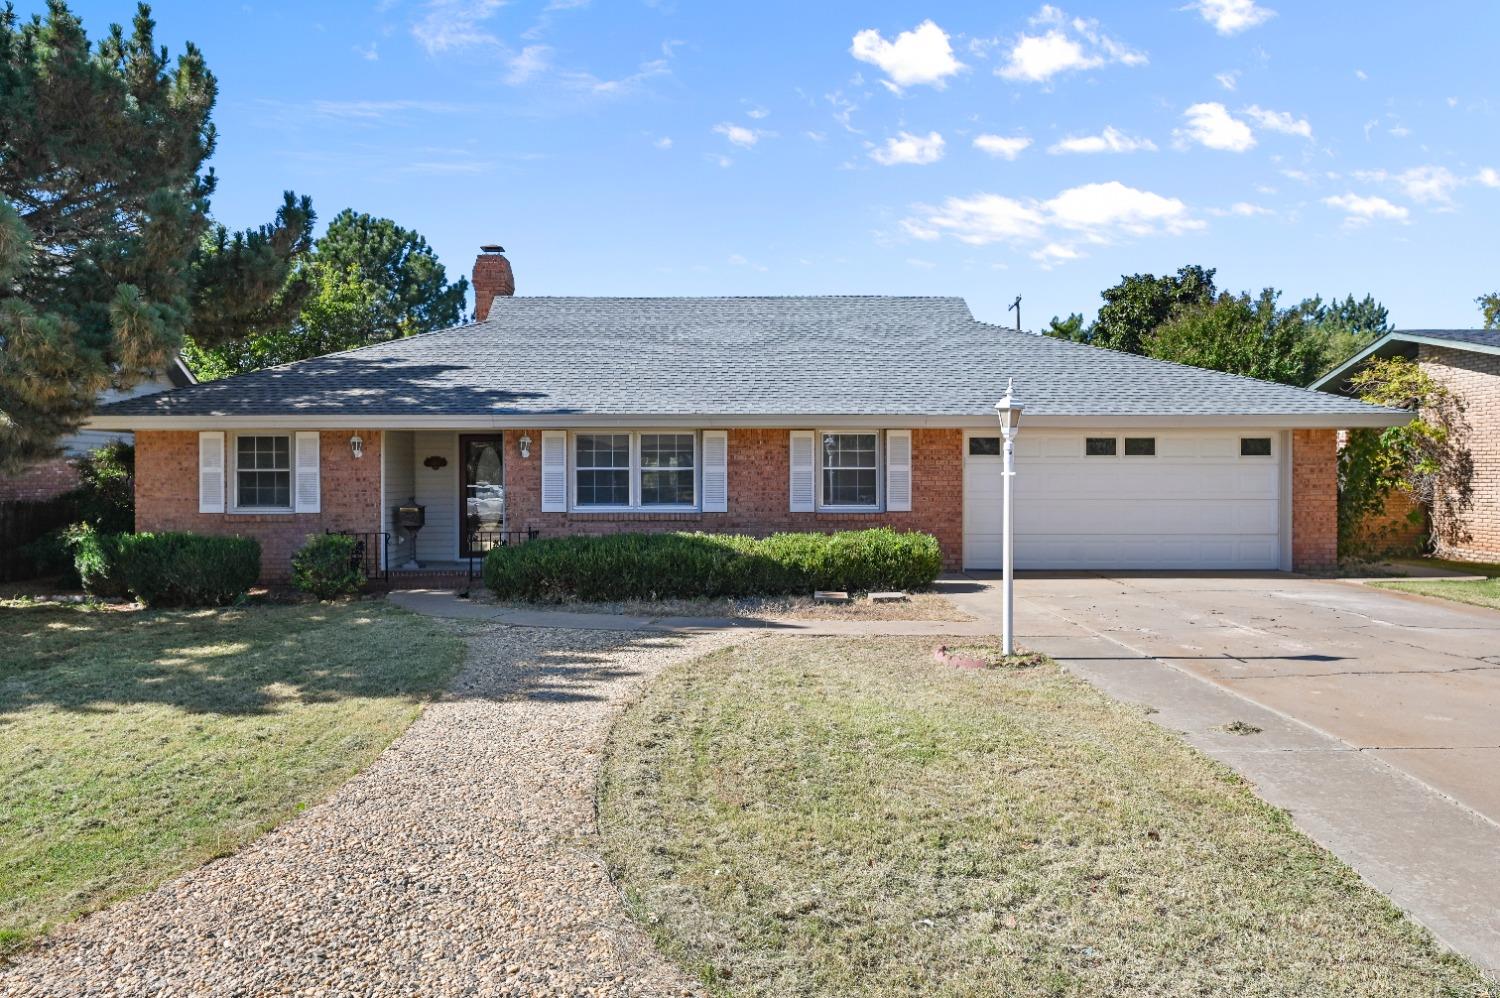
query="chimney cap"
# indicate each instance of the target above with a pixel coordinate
(492, 248)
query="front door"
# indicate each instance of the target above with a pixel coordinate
(481, 513)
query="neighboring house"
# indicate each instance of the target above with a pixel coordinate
(1467, 362)
(51, 478)
(753, 415)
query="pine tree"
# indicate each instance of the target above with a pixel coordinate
(108, 255)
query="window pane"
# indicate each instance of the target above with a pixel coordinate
(263, 478)
(984, 446)
(603, 450)
(1099, 447)
(849, 487)
(1255, 446)
(667, 488)
(849, 450)
(1140, 446)
(604, 488)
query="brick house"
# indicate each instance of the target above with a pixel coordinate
(51, 478)
(1467, 362)
(589, 415)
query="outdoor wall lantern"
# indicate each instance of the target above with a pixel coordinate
(357, 446)
(525, 443)
(1009, 411)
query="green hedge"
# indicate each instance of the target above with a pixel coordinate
(680, 565)
(96, 560)
(328, 565)
(188, 569)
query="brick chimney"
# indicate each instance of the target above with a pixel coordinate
(492, 276)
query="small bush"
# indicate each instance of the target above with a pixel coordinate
(328, 565)
(188, 569)
(688, 566)
(96, 559)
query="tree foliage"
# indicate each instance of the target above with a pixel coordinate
(1342, 329)
(1135, 307)
(1427, 459)
(1072, 328)
(107, 250)
(1240, 335)
(1489, 307)
(370, 280)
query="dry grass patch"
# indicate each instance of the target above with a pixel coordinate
(135, 745)
(917, 606)
(803, 816)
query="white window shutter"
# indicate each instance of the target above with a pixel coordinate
(211, 472)
(803, 471)
(306, 487)
(554, 471)
(715, 471)
(898, 471)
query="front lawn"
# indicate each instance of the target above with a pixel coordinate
(1479, 592)
(806, 816)
(135, 745)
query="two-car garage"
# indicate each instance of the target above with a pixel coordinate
(1131, 499)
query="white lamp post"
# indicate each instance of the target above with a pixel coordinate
(1009, 411)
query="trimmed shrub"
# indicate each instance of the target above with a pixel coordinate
(328, 565)
(96, 559)
(188, 569)
(688, 566)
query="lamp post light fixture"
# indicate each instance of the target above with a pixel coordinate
(525, 443)
(1009, 411)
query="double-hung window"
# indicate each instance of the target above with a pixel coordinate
(602, 469)
(667, 469)
(635, 471)
(263, 472)
(851, 470)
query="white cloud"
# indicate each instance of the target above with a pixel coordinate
(1109, 140)
(919, 56)
(1279, 121)
(1363, 210)
(908, 148)
(1229, 80)
(1066, 46)
(1423, 184)
(720, 160)
(665, 142)
(1232, 16)
(1244, 209)
(920, 264)
(756, 112)
(738, 135)
(736, 260)
(1361, 75)
(370, 52)
(374, 110)
(1092, 214)
(1489, 177)
(1002, 146)
(1210, 124)
(527, 64)
(1054, 253)
(455, 24)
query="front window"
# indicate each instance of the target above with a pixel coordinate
(667, 469)
(602, 469)
(850, 472)
(263, 472)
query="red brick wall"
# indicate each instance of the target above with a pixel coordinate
(46, 480)
(1315, 497)
(1472, 534)
(166, 495)
(1392, 530)
(759, 478)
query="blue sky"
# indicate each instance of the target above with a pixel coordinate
(985, 150)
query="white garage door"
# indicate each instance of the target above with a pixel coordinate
(1103, 499)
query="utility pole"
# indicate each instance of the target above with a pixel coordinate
(1015, 307)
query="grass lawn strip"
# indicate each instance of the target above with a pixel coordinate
(1477, 592)
(136, 745)
(807, 816)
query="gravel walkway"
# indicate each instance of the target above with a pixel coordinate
(461, 862)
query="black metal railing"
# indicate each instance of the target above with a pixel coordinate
(371, 555)
(481, 542)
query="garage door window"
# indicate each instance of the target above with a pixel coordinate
(1255, 446)
(984, 446)
(1100, 446)
(1140, 446)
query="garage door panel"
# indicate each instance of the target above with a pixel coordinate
(1195, 504)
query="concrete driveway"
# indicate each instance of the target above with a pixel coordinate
(1379, 714)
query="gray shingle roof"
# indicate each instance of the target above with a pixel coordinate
(832, 355)
(1403, 343)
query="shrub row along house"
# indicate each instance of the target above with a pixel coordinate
(1466, 525)
(749, 415)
